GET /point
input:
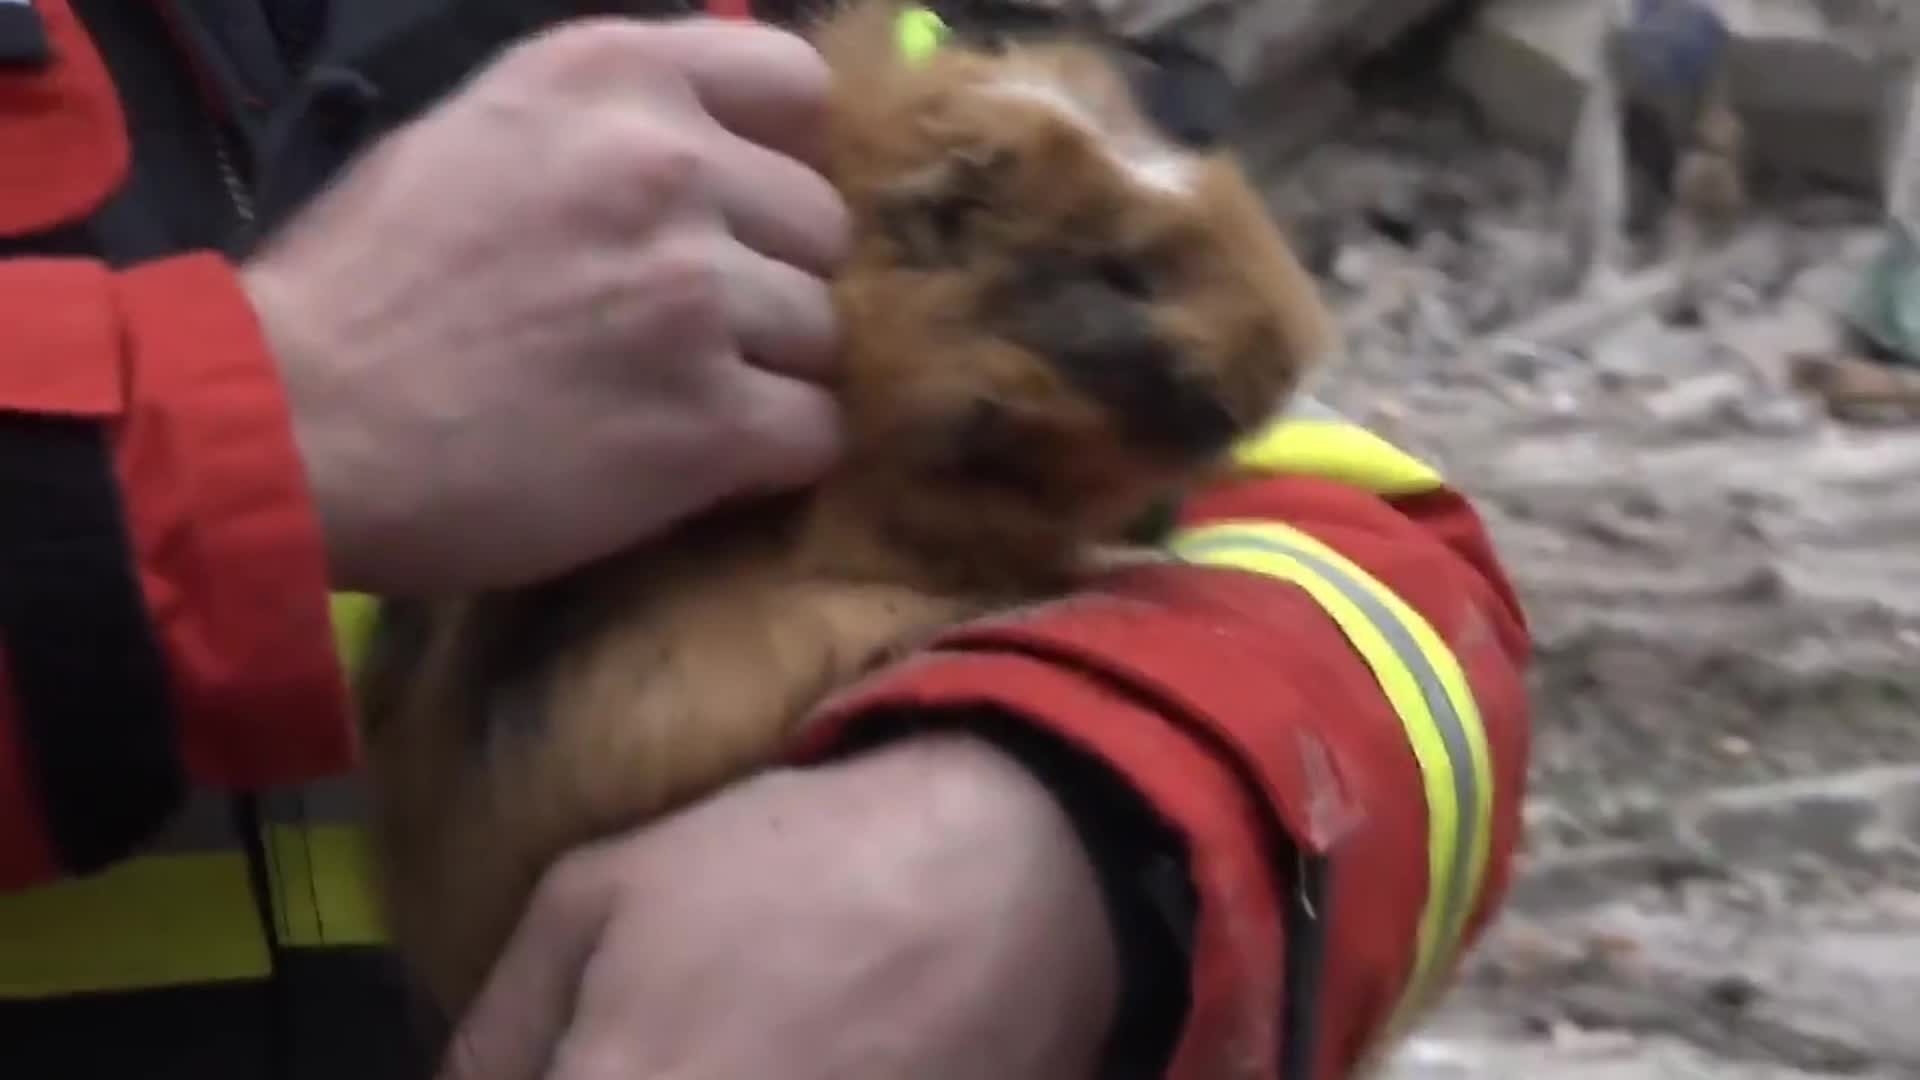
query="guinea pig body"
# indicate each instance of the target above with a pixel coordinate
(1052, 315)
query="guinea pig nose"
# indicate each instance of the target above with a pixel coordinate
(1186, 96)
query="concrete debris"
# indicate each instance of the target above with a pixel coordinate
(1722, 876)
(1660, 969)
(1818, 97)
(1581, 320)
(1858, 390)
(1271, 40)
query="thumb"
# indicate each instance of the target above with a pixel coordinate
(512, 1027)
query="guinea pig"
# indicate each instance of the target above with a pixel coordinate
(1054, 313)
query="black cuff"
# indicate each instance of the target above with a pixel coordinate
(23, 37)
(87, 664)
(1141, 864)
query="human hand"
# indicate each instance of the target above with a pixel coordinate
(576, 302)
(922, 911)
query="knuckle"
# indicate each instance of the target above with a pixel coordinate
(756, 49)
(583, 49)
(682, 282)
(798, 63)
(634, 170)
(637, 154)
(650, 160)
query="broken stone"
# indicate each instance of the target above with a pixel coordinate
(1814, 102)
(1857, 819)
(1858, 390)
(1276, 40)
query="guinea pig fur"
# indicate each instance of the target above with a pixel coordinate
(1052, 316)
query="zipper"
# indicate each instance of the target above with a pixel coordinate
(238, 195)
(1304, 926)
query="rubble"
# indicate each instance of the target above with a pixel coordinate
(1698, 480)
(1722, 878)
(1709, 967)
(1858, 390)
(1269, 41)
(1818, 100)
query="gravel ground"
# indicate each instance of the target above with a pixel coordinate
(1723, 872)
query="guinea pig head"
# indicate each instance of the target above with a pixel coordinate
(1054, 310)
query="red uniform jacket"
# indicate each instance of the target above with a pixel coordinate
(191, 561)
(165, 612)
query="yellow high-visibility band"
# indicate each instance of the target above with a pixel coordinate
(1336, 450)
(918, 33)
(145, 923)
(354, 616)
(1423, 681)
(157, 921)
(323, 886)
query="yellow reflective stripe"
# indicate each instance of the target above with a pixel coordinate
(322, 878)
(147, 922)
(1423, 681)
(1339, 451)
(353, 619)
(158, 921)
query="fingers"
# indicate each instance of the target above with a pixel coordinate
(512, 1028)
(747, 102)
(767, 86)
(793, 427)
(782, 317)
(776, 205)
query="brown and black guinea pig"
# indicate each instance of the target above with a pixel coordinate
(1055, 312)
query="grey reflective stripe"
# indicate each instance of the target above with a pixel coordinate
(333, 801)
(206, 823)
(338, 800)
(1453, 732)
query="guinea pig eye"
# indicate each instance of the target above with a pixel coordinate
(947, 218)
(930, 215)
(1123, 275)
(932, 231)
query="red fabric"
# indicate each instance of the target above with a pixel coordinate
(730, 9)
(62, 348)
(63, 141)
(229, 545)
(1226, 697)
(1237, 945)
(229, 550)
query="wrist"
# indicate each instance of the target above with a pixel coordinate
(981, 836)
(1143, 899)
(1145, 890)
(302, 351)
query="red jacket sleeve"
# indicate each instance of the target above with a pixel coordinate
(163, 591)
(1236, 707)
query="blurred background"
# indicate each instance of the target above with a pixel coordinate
(1642, 277)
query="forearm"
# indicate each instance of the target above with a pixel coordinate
(1146, 904)
(163, 601)
(1254, 720)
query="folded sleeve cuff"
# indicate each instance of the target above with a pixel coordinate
(1236, 974)
(228, 541)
